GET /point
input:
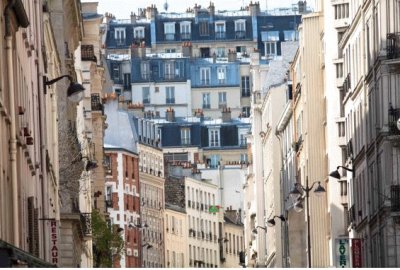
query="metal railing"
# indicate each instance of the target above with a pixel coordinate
(240, 34)
(186, 36)
(395, 198)
(96, 103)
(393, 45)
(220, 35)
(86, 223)
(394, 115)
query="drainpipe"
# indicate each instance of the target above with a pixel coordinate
(13, 138)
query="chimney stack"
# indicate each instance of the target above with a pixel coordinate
(187, 49)
(211, 10)
(226, 115)
(231, 56)
(170, 115)
(133, 18)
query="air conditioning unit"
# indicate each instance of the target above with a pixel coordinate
(135, 253)
(128, 252)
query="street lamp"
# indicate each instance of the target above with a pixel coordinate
(336, 174)
(271, 222)
(74, 91)
(296, 194)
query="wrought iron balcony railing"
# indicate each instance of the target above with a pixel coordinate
(394, 115)
(96, 102)
(240, 34)
(395, 198)
(393, 45)
(86, 223)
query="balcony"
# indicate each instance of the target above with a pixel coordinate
(395, 198)
(185, 141)
(240, 34)
(170, 36)
(170, 101)
(205, 82)
(86, 224)
(206, 106)
(347, 83)
(393, 45)
(186, 36)
(394, 115)
(120, 41)
(87, 53)
(220, 35)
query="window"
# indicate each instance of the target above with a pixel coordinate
(341, 11)
(270, 39)
(270, 48)
(241, 49)
(291, 35)
(245, 86)
(146, 95)
(170, 94)
(240, 29)
(119, 35)
(185, 30)
(221, 52)
(185, 136)
(205, 76)
(246, 111)
(169, 31)
(170, 50)
(205, 52)
(221, 71)
(242, 137)
(220, 30)
(243, 158)
(145, 70)
(203, 29)
(127, 81)
(222, 100)
(206, 100)
(169, 70)
(115, 73)
(138, 32)
(213, 161)
(213, 135)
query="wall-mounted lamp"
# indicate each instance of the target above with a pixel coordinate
(74, 91)
(140, 226)
(90, 165)
(222, 240)
(336, 174)
(271, 222)
(254, 231)
(262, 134)
(147, 245)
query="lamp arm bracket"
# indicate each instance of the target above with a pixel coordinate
(57, 79)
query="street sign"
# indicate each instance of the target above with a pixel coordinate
(356, 253)
(214, 208)
(342, 253)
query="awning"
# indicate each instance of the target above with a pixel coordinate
(11, 256)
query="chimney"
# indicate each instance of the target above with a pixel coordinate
(133, 18)
(137, 109)
(109, 17)
(214, 58)
(187, 49)
(302, 5)
(232, 56)
(226, 115)
(254, 8)
(151, 12)
(170, 115)
(196, 12)
(199, 113)
(211, 10)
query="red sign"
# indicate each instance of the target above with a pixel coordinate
(53, 241)
(356, 252)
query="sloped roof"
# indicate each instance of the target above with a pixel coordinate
(121, 132)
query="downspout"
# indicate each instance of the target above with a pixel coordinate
(13, 138)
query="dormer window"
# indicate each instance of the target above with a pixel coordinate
(270, 39)
(240, 29)
(169, 31)
(138, 32)
(185, 30)
(214, 138)
(120, 35)
(220, 30)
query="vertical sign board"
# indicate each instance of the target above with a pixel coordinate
(342, 253)
(54, 254)
(356, 253)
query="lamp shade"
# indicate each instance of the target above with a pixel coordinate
(295, 193)
(335, 174)
(319, 190)
(75, 92)
(271, 222)
(254, 231)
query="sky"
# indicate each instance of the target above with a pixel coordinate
(122, 9)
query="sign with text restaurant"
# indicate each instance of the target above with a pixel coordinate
(348, 253)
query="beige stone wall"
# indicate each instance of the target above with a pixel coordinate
(175, 230)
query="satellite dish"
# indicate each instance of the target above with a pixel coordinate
(398, 124)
